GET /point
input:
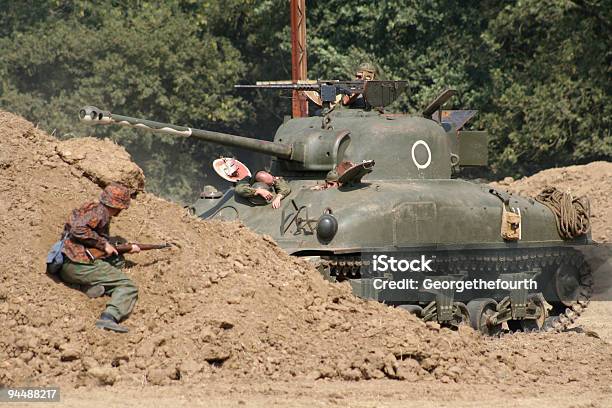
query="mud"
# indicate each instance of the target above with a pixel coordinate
(224, 304)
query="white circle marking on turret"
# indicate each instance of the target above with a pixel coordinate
(416, 163)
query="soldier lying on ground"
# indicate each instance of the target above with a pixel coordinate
(88, 228)
(247, 188)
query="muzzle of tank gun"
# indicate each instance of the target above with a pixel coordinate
(93, 115)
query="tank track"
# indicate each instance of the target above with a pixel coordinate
(561, 318)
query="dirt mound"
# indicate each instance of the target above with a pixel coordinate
(593, 180)
(91, 156)
(225, 303)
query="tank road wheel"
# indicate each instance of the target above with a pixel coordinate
(529, 325)
(412, 309)
(461, 315)
(482, 313)
(567, 283)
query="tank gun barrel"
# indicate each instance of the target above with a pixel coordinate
(94, 116)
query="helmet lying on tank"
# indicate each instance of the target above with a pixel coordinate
(210, 192)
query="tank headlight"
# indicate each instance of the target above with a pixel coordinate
(327, 226)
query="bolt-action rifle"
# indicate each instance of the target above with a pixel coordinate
(95, 253)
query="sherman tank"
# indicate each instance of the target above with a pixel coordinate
(403, 199)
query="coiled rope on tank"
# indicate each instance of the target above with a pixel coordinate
(572, 214)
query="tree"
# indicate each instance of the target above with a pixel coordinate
(550, 93)
(146, 61)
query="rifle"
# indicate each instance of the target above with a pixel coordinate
(376, 93)
(95, 253)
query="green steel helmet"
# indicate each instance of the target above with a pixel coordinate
(332, 175)
(259, 200)
(210, 192)
(367, 70)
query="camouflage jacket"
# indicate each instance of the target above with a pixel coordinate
(87, 227)
(244, 187)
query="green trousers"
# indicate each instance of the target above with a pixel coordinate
(107, 273)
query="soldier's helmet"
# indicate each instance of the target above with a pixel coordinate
(332, 176)
(210, 192)
(366, 71)
(259, 200)
(116, 195)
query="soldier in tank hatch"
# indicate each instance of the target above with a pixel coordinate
(332, 179)
(366, 72)
(263, 189)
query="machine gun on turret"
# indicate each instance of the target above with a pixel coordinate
(377, 94)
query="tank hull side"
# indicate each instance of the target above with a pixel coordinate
(392, 215)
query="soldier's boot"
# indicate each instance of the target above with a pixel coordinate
(108, 322)
(94, 291)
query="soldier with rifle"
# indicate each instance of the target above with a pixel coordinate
(91, 260)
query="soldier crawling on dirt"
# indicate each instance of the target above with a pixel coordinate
(260, 186)
(87, 230)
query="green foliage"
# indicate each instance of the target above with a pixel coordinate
(145, 61)
(550, 84)
(539, 70)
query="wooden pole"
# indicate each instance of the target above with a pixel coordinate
(299, 103)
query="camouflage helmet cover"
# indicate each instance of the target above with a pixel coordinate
(116, 195)
(368, 70)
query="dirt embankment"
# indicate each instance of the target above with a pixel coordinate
(224, 303)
